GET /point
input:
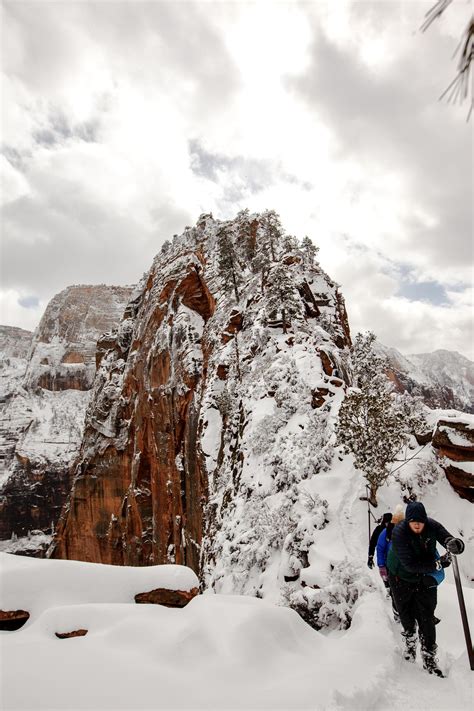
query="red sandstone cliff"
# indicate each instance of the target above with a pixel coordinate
(453, 440)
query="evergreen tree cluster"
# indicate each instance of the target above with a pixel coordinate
(257, 246)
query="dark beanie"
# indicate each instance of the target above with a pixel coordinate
(416, 512)
(386, 518)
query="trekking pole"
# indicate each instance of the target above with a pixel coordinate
(462, 608)
(368, 508)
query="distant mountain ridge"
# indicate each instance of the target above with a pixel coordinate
(444, 379)
(15, 342)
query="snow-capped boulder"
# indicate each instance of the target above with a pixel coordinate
(35, 585)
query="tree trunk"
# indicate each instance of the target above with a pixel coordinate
(237, 356)
(236, 291)
(373, 495)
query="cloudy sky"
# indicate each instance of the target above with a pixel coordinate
(123, 121)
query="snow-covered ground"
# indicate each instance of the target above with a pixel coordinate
(226, 651)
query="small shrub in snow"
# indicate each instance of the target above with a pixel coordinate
(301, 538)
(265, 432)
(414, 484)
(224, 403)
(271, 524)
(330, 607)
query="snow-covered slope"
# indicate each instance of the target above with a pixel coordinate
(218, 652)
(15, 342)
(444, 379)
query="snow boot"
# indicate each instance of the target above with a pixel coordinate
(430, 663)
(410, 646)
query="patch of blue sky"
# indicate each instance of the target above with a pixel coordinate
(28, 302)
(428, 291)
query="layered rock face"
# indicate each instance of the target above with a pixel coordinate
(64, 344)
(43, 400)
(443, 379)
(453, 440)
(166, 442)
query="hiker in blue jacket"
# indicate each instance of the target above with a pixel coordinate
(411, 561)
(383, 545)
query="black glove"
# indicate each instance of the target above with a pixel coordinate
(445, 560)
(370, 561)
(454, 545)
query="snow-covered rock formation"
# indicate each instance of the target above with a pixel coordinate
(444, 379)
(15, 342)
(43, 397)
(217, 390)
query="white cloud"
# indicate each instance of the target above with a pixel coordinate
(12, 313)
(124, 121)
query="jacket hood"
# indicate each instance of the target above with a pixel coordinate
(386, 518)
(416, 512)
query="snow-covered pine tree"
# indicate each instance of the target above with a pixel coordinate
(281, 295)
(289, 245)
(166, 246)
(245, 244)
(374, 424)
(228, 264)
(270, 234)
(310, 251)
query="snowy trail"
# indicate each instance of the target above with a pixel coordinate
(351, 533)
(406, 685)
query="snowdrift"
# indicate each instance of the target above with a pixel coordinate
(218, 652)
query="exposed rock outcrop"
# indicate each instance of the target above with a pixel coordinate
(168, 598)
(11, 620)
(132, 503)
(453, 440)
(69, 635)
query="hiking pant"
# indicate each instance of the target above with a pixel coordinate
(416, 604)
